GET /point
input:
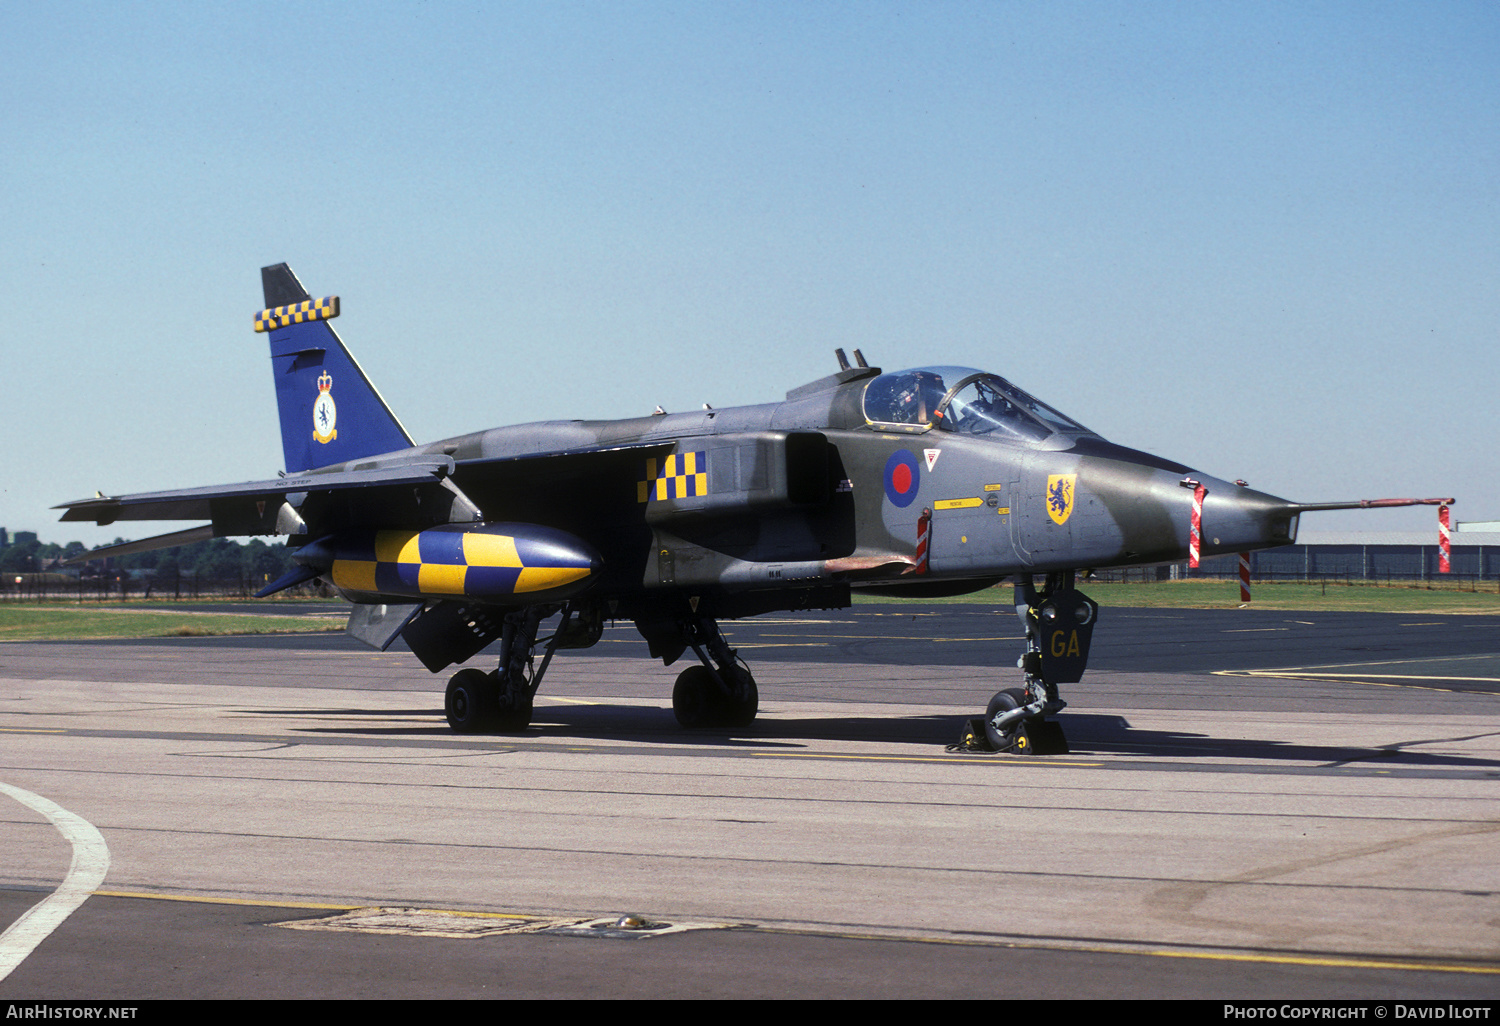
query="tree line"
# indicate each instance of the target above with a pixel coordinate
(217, 559)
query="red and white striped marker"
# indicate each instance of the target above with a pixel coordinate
(1244, 577)
(1196, 535)
(924, 534)
(1444, 566)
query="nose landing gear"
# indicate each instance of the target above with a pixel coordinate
(1059, 623)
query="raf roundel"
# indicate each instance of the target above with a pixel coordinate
(902, 478)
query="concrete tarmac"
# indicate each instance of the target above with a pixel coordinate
(1271, 805)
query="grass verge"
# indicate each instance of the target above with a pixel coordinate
(59, 622)
(1311, 596)
(72, 621)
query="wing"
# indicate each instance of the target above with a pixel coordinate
(255, 507)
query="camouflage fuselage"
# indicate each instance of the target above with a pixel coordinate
(807, 492)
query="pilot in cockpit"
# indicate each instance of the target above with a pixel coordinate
(918, 398)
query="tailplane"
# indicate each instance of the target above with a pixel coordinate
(330, 412)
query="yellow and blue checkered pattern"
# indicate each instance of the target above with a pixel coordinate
(681, 475)
(297, 313)
(449, 560)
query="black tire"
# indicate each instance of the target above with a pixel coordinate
(1015, 737)
(470, 701)
(740, 711)
(510, 718)
(696, 701)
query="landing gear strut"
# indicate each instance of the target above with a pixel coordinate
(1059, 623)
(501, 700)
(720, 692)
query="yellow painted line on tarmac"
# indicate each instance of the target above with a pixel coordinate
(824, 642)
(1329, 961)
(1295, 674)
(1344, 678)
(823, 638)
(204, 899)
(1326, 961)
(988, 760)
(33, 730)
(1410, 676)
(1320, 674)
(1366, 664)
(890, 637)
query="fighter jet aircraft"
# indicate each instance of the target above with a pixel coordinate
(927, 482)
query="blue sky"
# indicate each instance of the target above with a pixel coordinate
(1258, 239)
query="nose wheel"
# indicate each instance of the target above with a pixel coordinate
(1015, 723)
(1004, 731)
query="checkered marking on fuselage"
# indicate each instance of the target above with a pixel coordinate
(682, 475)
(296, 313)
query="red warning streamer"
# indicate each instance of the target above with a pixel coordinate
(1444, 566)
(1195, 537)
(1244, 577)
(924, 533)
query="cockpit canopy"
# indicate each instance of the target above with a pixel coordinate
(964, 400)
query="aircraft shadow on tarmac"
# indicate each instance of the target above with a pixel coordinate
(1088, 735)
(1113, 735)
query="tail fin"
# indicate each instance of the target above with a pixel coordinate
(330, 413)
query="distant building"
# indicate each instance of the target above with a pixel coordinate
(22, 537)
(4, 539)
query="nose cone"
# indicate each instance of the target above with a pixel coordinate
(1237, 518)
(1135, 509)
(553, 561)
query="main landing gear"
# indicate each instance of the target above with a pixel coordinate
(1059, 622)
(721, 691)
(501, 700)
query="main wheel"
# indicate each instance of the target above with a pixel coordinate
(1015, 737)
(470, 701)
(512, 715)
(696, 701)
(740, 710)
